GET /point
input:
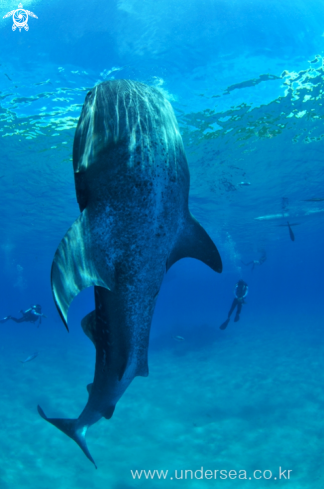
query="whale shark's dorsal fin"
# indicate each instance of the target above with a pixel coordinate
(74, 267)
(194, 242)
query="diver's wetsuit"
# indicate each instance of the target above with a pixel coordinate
(31, 315)
(240, 292)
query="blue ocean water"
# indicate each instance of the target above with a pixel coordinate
(245, 80)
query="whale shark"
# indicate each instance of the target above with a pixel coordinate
(132, 186)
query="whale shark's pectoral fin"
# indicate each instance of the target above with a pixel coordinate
(70, 428)
(194, 242)
(74, 267)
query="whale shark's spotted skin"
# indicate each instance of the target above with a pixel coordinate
(132, 186)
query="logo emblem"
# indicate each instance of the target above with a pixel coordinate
(20, 18)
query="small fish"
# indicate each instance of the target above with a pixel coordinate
(244, 184)
(8, 77)
(44, 83)
(30, 357)
(178, 338)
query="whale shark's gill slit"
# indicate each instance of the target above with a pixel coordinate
(81, 185)
(70, 428)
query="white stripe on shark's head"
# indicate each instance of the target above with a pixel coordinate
(131, 112)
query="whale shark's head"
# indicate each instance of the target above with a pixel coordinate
(129, 115)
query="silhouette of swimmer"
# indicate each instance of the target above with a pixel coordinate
(291, 234)
(240, 292)
(254, 263)
(31, 315)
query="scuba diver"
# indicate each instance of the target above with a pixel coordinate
(260, 261)
(31, 315)
(240, 292)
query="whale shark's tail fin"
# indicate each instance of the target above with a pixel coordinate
(194, 242)
(70, 428)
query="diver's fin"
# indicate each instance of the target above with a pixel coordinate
(74, 267)
(225, 324)
(89, 387)
(194, 242)
(70, 428)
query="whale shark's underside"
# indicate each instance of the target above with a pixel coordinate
(132, 186)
